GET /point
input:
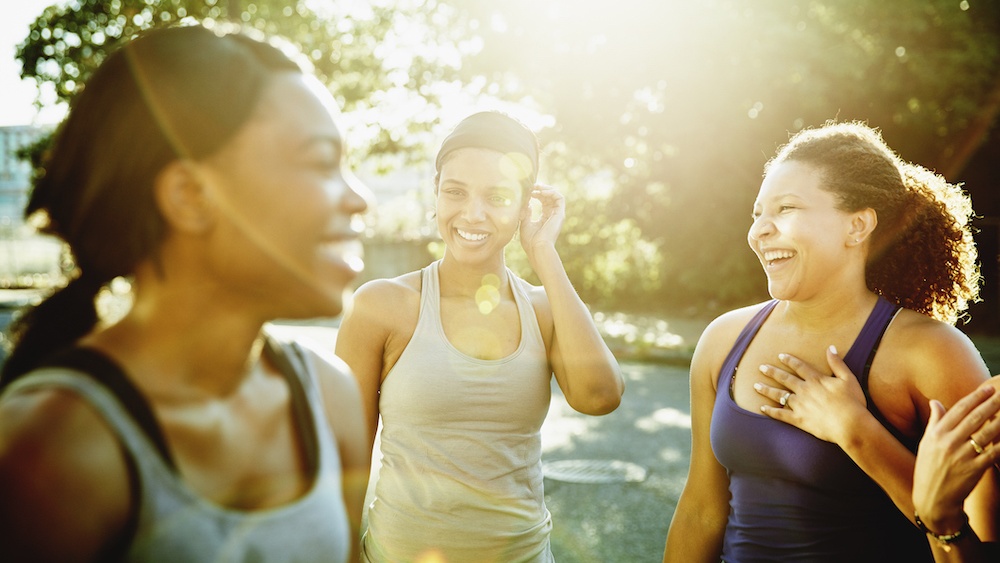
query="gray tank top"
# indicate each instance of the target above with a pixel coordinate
(175, 524)
(461, 475)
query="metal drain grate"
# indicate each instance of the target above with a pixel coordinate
(594, 471)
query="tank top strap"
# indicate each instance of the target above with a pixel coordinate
(859, 357)
(530, 329)
(430, 295)
(743, 341)
(308, 409)
(862, 353)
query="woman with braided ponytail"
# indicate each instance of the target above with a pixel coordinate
(206, 169)
(864, 253)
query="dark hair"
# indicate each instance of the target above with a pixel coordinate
(497, 131)
(177, 92)
(922, 253)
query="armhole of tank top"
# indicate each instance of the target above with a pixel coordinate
(291, 362)
(106, 373)
(863, 379)
(871, 355)
(744, 339)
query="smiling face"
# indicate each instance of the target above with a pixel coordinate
(798, 233)
(479, 204)
(284, 236)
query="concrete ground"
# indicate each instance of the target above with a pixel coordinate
(618, 522)
(621, 521)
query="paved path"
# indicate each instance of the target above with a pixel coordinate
(620, 522)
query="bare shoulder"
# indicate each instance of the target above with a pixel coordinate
(388, 298)
(920, 338)
(51, 424)
(934, 357)
(721, 333)
(718, 339)
(56, 455)
(400, 287)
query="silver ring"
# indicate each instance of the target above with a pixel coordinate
(784, 399)
(975, 445)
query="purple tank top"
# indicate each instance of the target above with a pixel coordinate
(795, 497)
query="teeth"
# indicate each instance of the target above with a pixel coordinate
(772, 255)
(471, 236)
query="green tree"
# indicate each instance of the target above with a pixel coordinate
(663, 112)
(683, 102)
(365, 52)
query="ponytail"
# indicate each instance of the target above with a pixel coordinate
(55, 323)
(926, 260)
(176, 92)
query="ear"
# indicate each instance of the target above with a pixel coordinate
(182, 197)
(862, 224)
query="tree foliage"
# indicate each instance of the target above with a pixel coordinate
(663, 112)
(683, 102)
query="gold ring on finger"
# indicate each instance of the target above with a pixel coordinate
(975, 445)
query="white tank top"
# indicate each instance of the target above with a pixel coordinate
(461, 475)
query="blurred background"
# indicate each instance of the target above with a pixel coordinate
(656, 116)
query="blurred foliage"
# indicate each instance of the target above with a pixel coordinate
(662, 112)
(683, 102)
(368, 53)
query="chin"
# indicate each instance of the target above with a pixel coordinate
(321, 305)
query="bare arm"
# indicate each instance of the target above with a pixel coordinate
(586, 370)
(56, 456)
(361, 342)
(699, 521)
(346, 417)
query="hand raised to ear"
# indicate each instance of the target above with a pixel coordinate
(537, 232)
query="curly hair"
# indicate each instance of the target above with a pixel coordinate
(922, 252)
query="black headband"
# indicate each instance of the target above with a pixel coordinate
(492, 130)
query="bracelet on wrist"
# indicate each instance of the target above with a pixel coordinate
(945, 539)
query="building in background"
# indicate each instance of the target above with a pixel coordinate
(27, 259)
(15, 173)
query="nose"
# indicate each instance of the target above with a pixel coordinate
(354, 197)
(474, 210)
(761, 227)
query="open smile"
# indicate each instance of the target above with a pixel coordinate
(777, 257)
(471, 236)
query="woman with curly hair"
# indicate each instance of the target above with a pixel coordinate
(866, 253)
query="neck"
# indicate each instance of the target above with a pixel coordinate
(820, 314)
(183, 342)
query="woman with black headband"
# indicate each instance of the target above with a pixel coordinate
(457, 359)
